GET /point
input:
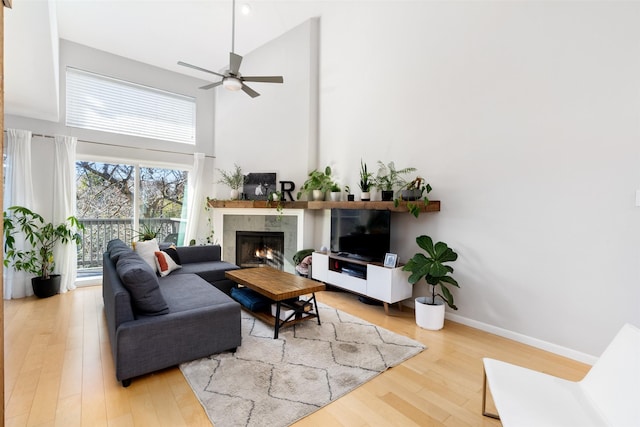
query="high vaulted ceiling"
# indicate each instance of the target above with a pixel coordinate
(156, 32)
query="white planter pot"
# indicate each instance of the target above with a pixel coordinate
(318, 195)
(234, 194)
(365, 195)
(429, 316)
(335, 196)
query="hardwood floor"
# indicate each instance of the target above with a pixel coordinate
(59, 372)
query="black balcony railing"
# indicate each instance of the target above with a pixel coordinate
(98, 232)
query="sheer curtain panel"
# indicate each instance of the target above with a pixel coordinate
(18, 190)
(195, 197)
(64, 206)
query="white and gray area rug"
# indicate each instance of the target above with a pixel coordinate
(274, 383)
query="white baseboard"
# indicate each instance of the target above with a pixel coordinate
(88, 281)
(534, 342)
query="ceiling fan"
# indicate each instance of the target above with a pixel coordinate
(232, 79)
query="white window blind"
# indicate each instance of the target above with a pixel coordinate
(102, 103)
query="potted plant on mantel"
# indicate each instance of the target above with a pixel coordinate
(388, 178)
(429, 311)
(41, 238)
(233, 180)
(336, 192)
(414, 191)
(318, 183)
(365, 182)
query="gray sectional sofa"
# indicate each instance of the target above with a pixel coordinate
(157, 322)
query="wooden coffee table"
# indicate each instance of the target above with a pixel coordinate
(280, 286)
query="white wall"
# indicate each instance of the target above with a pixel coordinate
(525, 118)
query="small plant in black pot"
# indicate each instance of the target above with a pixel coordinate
(431, 266)
(389, 178)
(365, 182)
(40, 239)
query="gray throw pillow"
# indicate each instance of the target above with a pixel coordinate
(116, 248)
(142, 284)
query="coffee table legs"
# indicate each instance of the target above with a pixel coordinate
(279, 322)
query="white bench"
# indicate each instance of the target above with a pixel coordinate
(609, 395)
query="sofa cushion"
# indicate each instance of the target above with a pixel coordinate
(211, 271)
(116, 248)
(165, 264)
(142, 284)
(188, 292)
(147, 249)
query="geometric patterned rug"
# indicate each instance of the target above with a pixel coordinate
(274, 383)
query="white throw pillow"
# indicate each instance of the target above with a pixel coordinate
(146, 249)
(164, 263)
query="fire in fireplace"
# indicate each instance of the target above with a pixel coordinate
(260, 248)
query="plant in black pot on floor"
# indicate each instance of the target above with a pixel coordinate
(431, 266)
(40, 237)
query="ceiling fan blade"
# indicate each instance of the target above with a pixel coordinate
(184, 64)
(234, 63)
(212, 85)
(252, 93)
(264, 79)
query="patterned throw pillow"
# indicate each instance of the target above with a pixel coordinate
(173, 253)
(164, 263)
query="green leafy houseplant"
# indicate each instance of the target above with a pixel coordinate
(41, 236)
(233, 180)
(276, 197)
(414, 190)
(389, 178)
(146, 232)
(365, 178)
(317, 180)
(432, 267)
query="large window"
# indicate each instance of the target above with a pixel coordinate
(102, 103)
(116, 201)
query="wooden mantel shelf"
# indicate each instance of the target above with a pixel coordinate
(432, 206)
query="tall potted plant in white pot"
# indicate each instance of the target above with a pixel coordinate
(430, 310)
(41, 238)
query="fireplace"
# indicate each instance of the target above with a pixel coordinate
(260, 248)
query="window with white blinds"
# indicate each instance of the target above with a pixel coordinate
(106, 104)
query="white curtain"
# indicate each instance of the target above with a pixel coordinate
(196, 198)
(64, 206)
(18, 191)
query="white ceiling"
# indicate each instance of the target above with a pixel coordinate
(156, 32)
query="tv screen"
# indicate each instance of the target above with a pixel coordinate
(361, 233)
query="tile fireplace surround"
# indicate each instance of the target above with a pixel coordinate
(291, 222)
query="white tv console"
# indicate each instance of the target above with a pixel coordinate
(371, 279)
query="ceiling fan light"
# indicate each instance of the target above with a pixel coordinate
(232, 83)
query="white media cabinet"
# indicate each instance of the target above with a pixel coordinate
(371, 279)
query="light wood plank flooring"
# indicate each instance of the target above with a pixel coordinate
(59, 372)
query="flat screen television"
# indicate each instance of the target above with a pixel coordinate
(361, 233)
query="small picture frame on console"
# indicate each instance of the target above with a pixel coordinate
(390, 260)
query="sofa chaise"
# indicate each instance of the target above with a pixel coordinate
(157, 322)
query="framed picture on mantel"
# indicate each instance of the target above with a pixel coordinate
(390, 260)
(257, 186)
